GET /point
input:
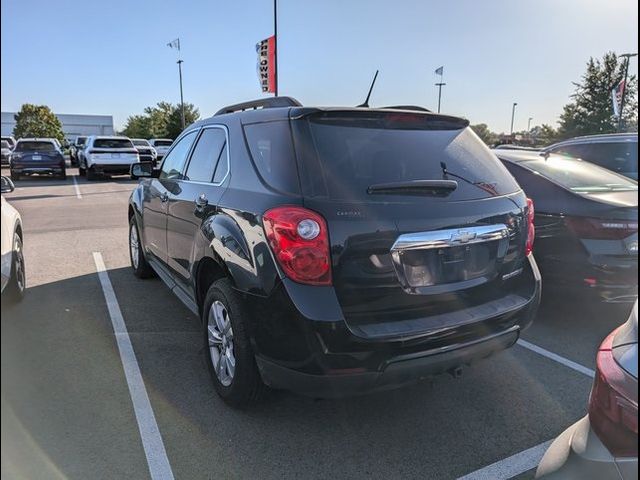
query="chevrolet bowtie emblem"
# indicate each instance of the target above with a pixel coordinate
(463, 236)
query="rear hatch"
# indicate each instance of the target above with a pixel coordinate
(113, 151)
(427, 228)
(36, 154)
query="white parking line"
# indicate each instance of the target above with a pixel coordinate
(76, 187)
(154, 450)
(557, 358)
(510, 466)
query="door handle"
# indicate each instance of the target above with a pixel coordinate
(201, 201)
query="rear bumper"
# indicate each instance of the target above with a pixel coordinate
(398, 371)
(579, 453)
(115, 169)
(41, 169)
(314, 353)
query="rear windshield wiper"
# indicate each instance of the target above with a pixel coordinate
(439, 188)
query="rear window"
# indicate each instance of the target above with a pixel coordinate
(81, 140)
(141, 143)
(163, 143)
(35, 146)
(112, 143)
(579, 176)
(342, 154)
(4, 144)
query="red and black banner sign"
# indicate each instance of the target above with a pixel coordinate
(266, 50)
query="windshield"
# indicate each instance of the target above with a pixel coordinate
(32, 146)
(342, 155)
(580, 176)
(112, 143)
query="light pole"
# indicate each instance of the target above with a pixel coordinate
(176, 44)
(529, 124)
(513, 115)
(624, 89)
(275, 52)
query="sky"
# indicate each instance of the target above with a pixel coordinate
(110, 57)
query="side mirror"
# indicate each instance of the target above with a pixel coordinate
(7, 185)
(143, 170)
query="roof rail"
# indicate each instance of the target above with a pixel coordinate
(271, 102)
(408, 107)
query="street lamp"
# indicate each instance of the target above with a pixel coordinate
(624, 89)
(529, 124)
(513, 115)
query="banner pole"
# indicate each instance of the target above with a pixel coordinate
(275, 36)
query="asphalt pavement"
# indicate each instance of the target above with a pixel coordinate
(67, 409)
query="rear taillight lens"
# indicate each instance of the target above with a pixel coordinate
(531, 229)
(613, 404)
(599, 229)
(299, 240)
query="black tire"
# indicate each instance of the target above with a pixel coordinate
(91, 174)
(81, 170)
(14, 291)
(246, 386)
(139, 264)
(14, 176)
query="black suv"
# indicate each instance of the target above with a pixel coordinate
(336, 251)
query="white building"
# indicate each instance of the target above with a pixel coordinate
(72, 125)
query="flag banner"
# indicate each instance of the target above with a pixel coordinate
(266, 51)
(174, 44)
(439, 71)
(616, 97)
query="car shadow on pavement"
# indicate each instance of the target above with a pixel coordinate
(63, 382)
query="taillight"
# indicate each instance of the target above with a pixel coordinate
(599, 229)
(613, 404)
(299, 240)
(531, 229)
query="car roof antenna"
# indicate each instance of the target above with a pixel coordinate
(366, 102)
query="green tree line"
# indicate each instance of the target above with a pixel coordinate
(161, 121)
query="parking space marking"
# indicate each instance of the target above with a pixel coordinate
(557, 358)
(76, 187)
(154, 450)
(510, 466)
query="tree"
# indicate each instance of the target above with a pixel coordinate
(37, 121)
(590, 112)
(486, 135)
(543, 134)
(164, 120)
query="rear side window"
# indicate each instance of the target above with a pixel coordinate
(112, 143)
(342, 154)
(35, 146)
(206, 155)
(272, 153)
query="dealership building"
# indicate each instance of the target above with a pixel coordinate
(72, 125)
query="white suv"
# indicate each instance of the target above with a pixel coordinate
(162, 146)
(107, 154)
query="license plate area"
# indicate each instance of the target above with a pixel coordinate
(447, 260)
(36, 157)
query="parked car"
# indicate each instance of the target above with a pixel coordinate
(10, 140)
(604, 444)
(6, 152)
(146, 152)
(617, 152)
(161, 146)
(13, 272)
(107, 155)
(326, 256)
(586, 223)
(75, 149)
(39, 156)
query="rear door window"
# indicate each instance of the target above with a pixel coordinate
(206, 155)
(342, 154)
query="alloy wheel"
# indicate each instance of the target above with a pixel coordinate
(220, 336)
